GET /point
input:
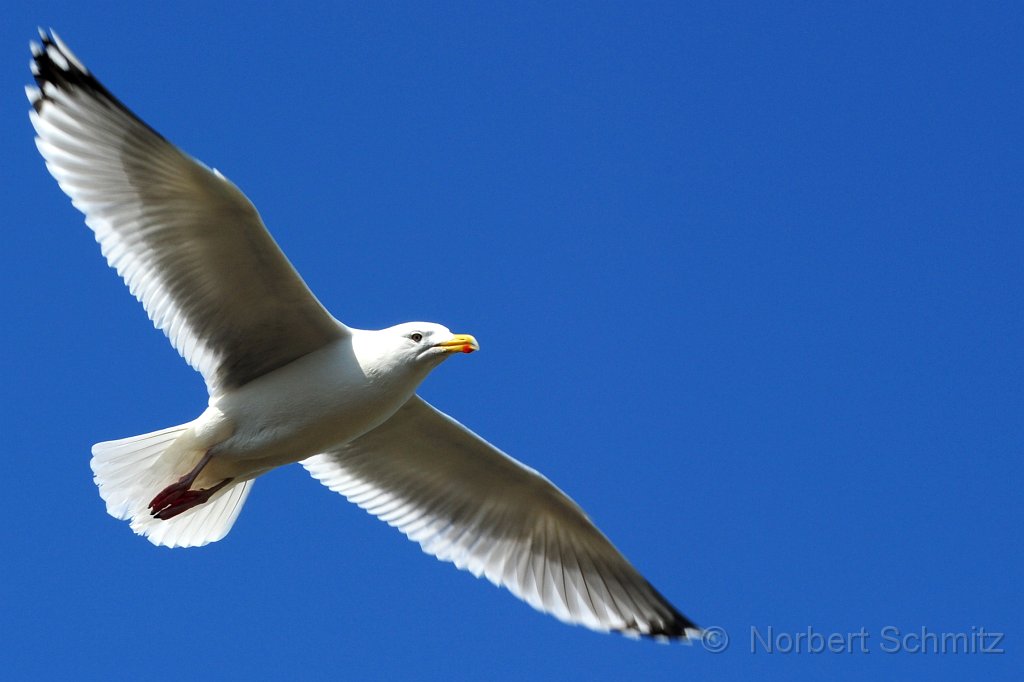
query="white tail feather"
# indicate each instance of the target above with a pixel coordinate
(131, 471)
(200, 525)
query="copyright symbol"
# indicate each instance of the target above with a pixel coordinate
(715, 639)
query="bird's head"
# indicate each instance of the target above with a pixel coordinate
(426, 342)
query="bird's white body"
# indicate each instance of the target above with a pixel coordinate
(288, 382)
(330, 396)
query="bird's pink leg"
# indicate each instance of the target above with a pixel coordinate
(177, 497)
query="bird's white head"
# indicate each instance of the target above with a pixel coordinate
(399, 358)
(423, 343)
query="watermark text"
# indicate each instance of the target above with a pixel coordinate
(889, 639)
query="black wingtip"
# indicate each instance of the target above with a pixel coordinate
(674, 628)
(53, 63)
(55, 66)
(684, 632)
(680, 629)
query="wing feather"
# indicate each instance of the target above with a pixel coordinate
(466, 502)
(187, 242)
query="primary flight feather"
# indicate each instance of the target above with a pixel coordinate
(290, 383)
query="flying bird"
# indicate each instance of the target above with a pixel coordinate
(290, 383)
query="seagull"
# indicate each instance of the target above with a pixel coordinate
(290, 383)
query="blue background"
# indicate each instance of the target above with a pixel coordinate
(747, 281)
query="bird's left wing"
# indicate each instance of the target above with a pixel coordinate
(189, 245)
(466, 502)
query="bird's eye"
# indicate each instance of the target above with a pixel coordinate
(416, 336)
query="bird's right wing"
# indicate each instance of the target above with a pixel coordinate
(189, 245)
(466, 502)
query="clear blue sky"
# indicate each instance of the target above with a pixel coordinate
(748, 283)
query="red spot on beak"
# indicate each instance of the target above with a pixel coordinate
(467, 348)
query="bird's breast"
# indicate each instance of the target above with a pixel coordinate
(318, 401)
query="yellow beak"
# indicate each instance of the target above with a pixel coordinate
(460, 343)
